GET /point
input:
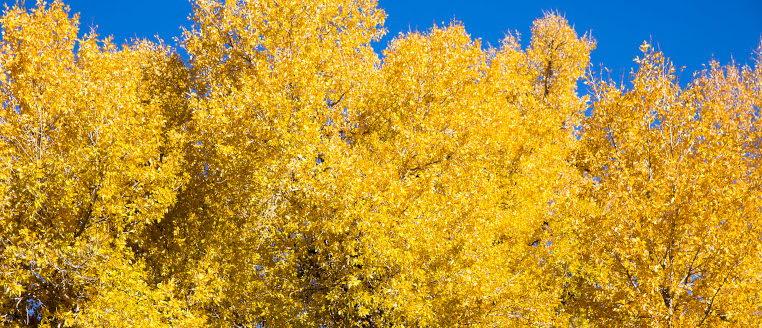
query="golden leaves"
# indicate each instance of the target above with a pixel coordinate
(286, 176)
(87, 167)
(672, 179)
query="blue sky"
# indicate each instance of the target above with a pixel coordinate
(689, 32)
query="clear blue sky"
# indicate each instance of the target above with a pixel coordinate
(689, 32)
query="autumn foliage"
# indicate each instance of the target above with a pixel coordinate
(284, 174)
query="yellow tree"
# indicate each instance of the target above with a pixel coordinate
(286, 176)
(327, 188)
(466, 170)
(670, 233)
(257, 236)
(89, 158)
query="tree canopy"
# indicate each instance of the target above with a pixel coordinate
(282, 173)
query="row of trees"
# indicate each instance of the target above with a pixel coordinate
(286, 175)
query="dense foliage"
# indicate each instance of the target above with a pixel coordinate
(286, 175)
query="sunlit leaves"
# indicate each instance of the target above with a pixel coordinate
(673, 237)
(89, 160)
(286, 175)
